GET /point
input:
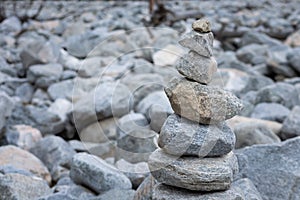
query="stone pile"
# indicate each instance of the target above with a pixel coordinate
(195, 143)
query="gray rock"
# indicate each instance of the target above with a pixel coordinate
(136, 172)
(156, 107)
(25, 92)
(251, 37)
(293, 58)
(129, 122)
(200, 103)
(270, 111)
(68, 74)
(180, 136)
(247, 109)
(61, 107)
(116, 194)
(142, 66)
(141, 85)
(135, 142)
(10, 25)
(273, 168)
(6, 108)
(21, 187)
(54, 152)
(202, 26)
(96, 174)
(101, 131)
(253, 54)
(249, 190)
(44, 75)
(61, 89)
(281, 93)
(39, 52)
(68, 61)
(197, 67)
(94, 66)
(192, 173)
(107, 100)
(40, 118)
(248, 134)
(200, 43)
(291, 125)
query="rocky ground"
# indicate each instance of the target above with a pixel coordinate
(82, 99)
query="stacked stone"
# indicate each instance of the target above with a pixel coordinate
(195, 143)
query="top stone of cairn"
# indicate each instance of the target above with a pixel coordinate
(201, 26)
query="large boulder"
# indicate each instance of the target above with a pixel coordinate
(273, 168)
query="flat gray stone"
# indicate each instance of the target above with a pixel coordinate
(291, 125)
(240, 190)
(21, 187)
(180, 136)
(96, 174)
(116, 194)
(197, 67)
(200, 43)
(201, 103)
(193, 173)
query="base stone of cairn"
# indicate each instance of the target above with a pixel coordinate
(195, 157)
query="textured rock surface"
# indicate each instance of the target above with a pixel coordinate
(200, 43)
(20, 187)
(54, 152)
(116, 194)
(202, 26)
(270, 111)
(180, 136)
(200, 103)
(291, 125)
(207, 174)
(197, 67)
(96, 174)
(273, 168)
(23, 160)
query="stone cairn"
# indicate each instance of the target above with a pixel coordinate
(195, 143)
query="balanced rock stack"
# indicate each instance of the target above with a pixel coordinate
(195, 143)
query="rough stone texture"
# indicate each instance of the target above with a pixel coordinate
(21, 187)
(291, 125)
(23, 160)
(167, 56)
(248, 188)
(96, 174)
(180, 136)
(273, 168)
(61, 107)
(202, 26)
(200, 43)
(200, 103)
(197, 67)
(270, 111)
(206, 174)
(248, 134)
(54, 152)
(294, 58)
(281, 93)
(108, 99)
(63, 89)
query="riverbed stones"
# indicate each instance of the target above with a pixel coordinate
(195, 143)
